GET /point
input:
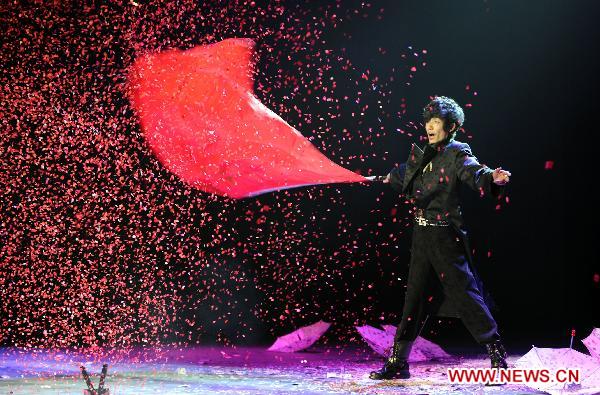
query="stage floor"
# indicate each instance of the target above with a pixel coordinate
(240, 370)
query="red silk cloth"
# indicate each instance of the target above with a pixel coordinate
(203, 122)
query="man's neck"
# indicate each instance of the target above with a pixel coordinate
(441, 144)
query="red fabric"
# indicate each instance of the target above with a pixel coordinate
(201, 119)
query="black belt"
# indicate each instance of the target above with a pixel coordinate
(422, 221)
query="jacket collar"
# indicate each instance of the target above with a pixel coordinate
(420, 157)
(441, 146)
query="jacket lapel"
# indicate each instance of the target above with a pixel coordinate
(412, 165)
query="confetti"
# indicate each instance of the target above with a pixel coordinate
(104, 247)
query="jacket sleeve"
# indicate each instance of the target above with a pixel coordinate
(477, 176)
(397, 177)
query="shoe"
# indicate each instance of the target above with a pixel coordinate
(497, 355)
(396, 366)
(391, 371)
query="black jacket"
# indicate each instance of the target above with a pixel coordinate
(444, 168)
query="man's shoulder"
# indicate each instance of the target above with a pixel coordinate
(456, 145)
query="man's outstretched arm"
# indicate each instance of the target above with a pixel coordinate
(396, 177)
(478, 177)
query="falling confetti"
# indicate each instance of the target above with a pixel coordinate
(102, 245)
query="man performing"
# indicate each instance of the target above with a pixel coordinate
(431, 180)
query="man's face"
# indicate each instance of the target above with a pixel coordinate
(435, 130)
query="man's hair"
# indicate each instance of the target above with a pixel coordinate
(446, 109)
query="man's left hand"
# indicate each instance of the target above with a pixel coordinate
(501, 177)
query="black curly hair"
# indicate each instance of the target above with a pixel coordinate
(446, 109)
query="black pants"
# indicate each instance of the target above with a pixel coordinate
(438, 248)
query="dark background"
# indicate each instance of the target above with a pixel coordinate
(336, 252)
(535, 67)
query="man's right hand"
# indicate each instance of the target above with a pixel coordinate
(383, 179)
